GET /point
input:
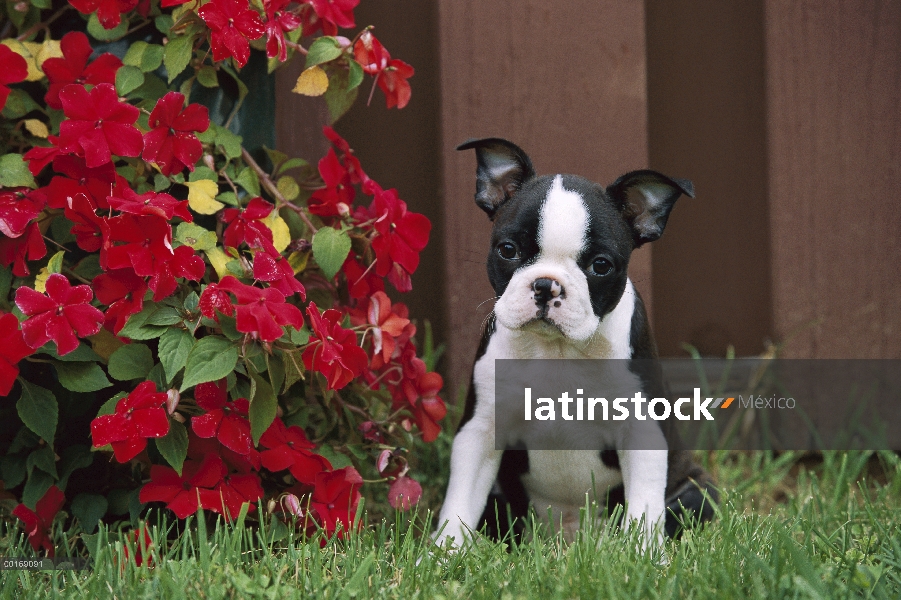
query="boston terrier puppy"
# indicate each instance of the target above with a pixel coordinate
(558, 262)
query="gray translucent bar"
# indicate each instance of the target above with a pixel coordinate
(705, 404)
(57, 563)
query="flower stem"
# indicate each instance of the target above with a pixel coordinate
(270, 186)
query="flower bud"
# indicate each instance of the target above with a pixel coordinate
(172, 398)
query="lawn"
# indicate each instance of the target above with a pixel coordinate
(789, 527)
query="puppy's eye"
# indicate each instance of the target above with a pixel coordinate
(508, 251)
(601, 267)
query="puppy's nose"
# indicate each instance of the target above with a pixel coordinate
(545, 289)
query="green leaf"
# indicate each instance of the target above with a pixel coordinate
(131, 361)
(276, 369)
(230, 142)
(207, 77)
(18, 104)
(330, 249)
(203, 172)
(82, 353)
(263, 406)
(128, 79)
(163, 24)
(175, 345)
(109, 407)
(14, 172)
(37, 485)
(293, 368)
(249, 180)
(38, 409)
(96, 30)
(165, 315)
(340, 95)
(211, 359)
(355, 76)
(174, 445)
(292, 163)
(323, 50)
(72, 458)
(195, 236)
(158, 376)
(287, 187)
(136, 327)
(55, 264)
(81, 376)
(44, 459)
(144, 56)
(177, 54)
(89, 509)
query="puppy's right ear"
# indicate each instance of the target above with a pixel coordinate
(502, 168)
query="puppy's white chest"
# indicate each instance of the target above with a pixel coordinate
(563, 477)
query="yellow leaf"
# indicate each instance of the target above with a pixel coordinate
(37, 128)
(28, 51)
(219, 260)
(202, 196)
(298, 261)
(105, 343)
(281, 235)
(312, 82)
(49, 49)
(40, 280)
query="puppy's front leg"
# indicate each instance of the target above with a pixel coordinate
(474, 466)
(644, 483)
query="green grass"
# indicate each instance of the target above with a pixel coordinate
(787, 528)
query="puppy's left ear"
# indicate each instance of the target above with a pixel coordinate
(645, 199)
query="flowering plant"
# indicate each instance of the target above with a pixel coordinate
(181, 325)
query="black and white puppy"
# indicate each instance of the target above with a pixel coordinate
(558, 262)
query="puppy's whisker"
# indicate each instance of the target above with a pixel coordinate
(488, 300)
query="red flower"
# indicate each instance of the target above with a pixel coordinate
(212, 299)
(151, 203)
(362, 282)
(12, 350)
(90, 231)
(233, 24)
(18, 208)
(421, 393)
(98, 124)
(338, 194)
(401, 235)
(231, 494)
(278, 21)
(14, 251)
(261, 313)
(109, 12)
(73, 67)
(289, 448)
(148, 250)
(390, 325)
(181, 493)
(123, 293)
(171, 142)
(138, 416)
(225, 421)
(370, 53)
(333, 351)
(59, 315)
(13, 69)
(247, 225)
(143, 544)
(335, 498)
(39, 156)
(95, 183)
(393, 82)
(348, 160)
(270, 266)
(404, 493)
(38, 521)
(328, 15)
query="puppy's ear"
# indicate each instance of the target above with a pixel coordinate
(502, 168)
(645, 199)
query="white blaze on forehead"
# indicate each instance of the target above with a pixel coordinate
(564, 222)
